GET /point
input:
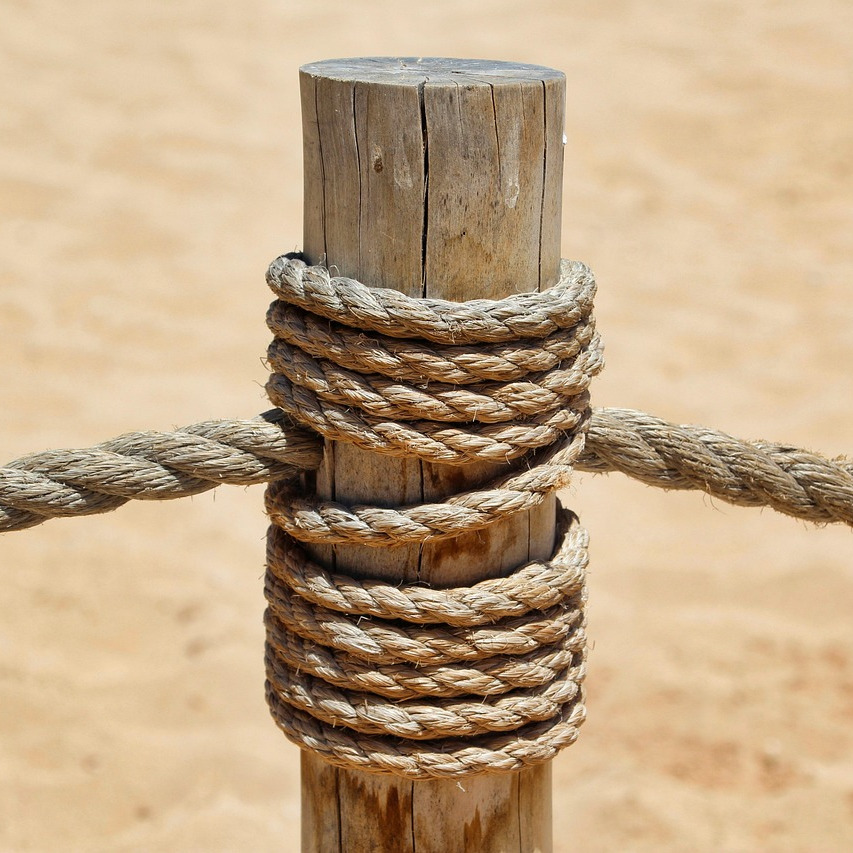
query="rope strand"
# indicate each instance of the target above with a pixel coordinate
(153, 466)
(792, 481)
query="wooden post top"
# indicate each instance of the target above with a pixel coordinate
(415, 71)
(437, 177)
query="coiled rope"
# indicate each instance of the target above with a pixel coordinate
(537, 420)
(406, 679)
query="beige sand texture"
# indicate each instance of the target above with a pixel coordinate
(150, 167)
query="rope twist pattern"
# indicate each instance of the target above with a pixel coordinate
(790, 480)
(361, 657)
(407, 679)
(152, 466)
(486, 678)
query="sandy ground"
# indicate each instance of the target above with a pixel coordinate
(149, 170)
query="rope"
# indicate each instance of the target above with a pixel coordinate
(523, 315)
(390, 374)
(790, 480)
(485, 420)
(536, 586)
(333, 523)
(535, 418)
(401, 678)
(152, 466)
(351, 663)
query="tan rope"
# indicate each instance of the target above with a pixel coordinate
(312, 520)
(523, 315)
(535, 418)
(344, 668)
(427, 440)
(421, 720)
(498, 753)
(411, 360)
(432, 419)
(350, 663)
(152, 466)
(537, 586)
(490, 402)
(406, 679)
(790, 480)
(403, 678)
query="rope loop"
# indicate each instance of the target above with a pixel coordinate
(387, 678)
(523, 315)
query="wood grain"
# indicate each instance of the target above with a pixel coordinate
(440, 178)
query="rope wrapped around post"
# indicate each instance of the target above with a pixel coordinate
(437, 704)
(166, 465)
(406, 679)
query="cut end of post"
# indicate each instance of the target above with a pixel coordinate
(414, 70)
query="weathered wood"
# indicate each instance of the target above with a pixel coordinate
(442, 178)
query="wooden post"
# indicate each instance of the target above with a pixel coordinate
(439, 178)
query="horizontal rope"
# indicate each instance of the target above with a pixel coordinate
(790, 480)
(390, 398)
(387, 643)
(421, 720)
(153, 466)
(427, 440)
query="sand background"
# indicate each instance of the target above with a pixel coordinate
(150, 168)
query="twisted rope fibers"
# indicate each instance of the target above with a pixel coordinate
(523, 315)
(501, 663)
(790, 480)
(485, 421)
(536, 417)
(372, 663)
(153, 466)
(537, 586)
(333, 523)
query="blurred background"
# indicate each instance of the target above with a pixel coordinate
(150, 168)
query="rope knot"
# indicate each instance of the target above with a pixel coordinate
(406, 679)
